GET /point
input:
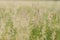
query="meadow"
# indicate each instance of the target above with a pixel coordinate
(32, 20)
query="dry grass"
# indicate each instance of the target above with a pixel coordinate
(29, 20)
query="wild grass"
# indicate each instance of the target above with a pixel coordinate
(30, 23)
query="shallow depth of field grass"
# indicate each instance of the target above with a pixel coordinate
(30, 21)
